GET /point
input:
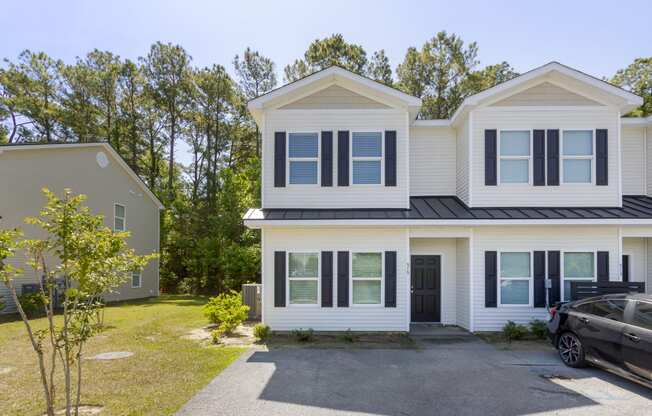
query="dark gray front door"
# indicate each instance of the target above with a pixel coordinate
(426, 288)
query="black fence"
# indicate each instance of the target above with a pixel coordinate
(582, 290)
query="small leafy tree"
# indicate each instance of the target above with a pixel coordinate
(227, 311)
(91, 260)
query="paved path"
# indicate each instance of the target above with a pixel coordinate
(450, 376)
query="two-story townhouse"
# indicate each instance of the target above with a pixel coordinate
(372, 219)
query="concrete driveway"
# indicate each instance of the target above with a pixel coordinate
(448, 376)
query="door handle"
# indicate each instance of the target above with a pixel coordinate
(584, 320)
(633, 337)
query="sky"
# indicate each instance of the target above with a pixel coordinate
(597, 37)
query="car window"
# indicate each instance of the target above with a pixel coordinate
(643, 315)
(609, 309)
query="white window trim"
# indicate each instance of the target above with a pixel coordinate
(562, 157)
(124, 219)
(563, 271)
(511, 157)
(289, 279)
(140, 280)
(380, 158)
(381, 304)
(530, 280)
(303, 159)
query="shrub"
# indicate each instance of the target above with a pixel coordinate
(226, 310)
(539, 328)
(32, 304)
(216, 334)
(303, 336)
(262, 332)
(513, 331)
(348, 336)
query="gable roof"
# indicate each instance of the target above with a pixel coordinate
(104, 145)
(328, 76)
(626, 100)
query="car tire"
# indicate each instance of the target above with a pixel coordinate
(571, 350)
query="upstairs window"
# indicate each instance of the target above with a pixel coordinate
(515, 154)
(367, 157)
(515, 278)
(577, 156)
(119, 217)
(303, 158)
(303, 274)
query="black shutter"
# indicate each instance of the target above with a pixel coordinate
(553, 157)
(326, 158)
(601, 157)
(554, 274)
(342, 279)
(539, 279)
(342, 158)
(490, 279)
(390, 279)
(625, 268)
(279, 159)
(603, 266)
(539, 167)
(279, 279)
(490, 161)
(390, 158)
(326, 279)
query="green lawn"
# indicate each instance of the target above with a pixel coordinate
(164, 373)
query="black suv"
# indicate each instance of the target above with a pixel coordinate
(610, 331)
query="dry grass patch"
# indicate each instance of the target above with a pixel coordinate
(164, 372)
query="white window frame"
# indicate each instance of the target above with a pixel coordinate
(290, 279)
(530, 280)
(511, 157)
(140, 279)
(381, 278)
(303, 159)
(562, 157)
(380, 158)
(586, 279)
(124, 219)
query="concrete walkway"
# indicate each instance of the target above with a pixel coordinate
(455, 374)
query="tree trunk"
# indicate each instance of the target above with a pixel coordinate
(173, 126)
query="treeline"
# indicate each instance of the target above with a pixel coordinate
(147, 107)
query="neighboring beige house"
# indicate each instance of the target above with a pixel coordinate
(111, 187)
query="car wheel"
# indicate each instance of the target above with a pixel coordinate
(571, 350)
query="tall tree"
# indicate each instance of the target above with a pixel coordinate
(167, 68)
(256, 76)
(106, 66)
(79, 113)
(637, 78)
(34, 83)
(487, 77)
(322, 53)
(130, 115)
(379, 69)
(435, 73)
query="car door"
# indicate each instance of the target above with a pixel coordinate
(600, 326)
(637, 339)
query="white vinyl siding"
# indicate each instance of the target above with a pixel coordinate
(648, 154)
(546, 94)
(462, 165)
(463, 283)
(432, 161)
(636, 248)
(353, 196)
(334, 97)
(355, 317)
(634, 157)
(591, 118)
(531, 239)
